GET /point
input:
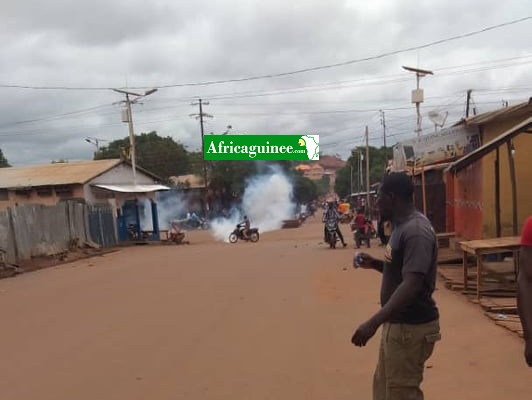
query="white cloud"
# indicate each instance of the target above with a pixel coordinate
(141, 43)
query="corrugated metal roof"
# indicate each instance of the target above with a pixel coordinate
(331, 162)
(79, 172)
(524, 109)
(191, 181)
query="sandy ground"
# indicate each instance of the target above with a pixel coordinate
(209, 320)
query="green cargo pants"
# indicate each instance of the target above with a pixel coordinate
(404, 348)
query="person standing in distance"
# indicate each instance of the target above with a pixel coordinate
(408, 315)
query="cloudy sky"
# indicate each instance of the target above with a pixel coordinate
(60, 59)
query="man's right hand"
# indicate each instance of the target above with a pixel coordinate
(363, 260)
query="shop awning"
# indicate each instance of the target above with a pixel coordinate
(132, 188)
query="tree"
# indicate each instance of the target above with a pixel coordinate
(159, 155)
(227, 180)
(3, 160)
(377, 163)
(230, 176)
(305, 190)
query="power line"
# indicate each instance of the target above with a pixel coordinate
(299, 90)
(349, 62)
(289, 73)
(55, 116)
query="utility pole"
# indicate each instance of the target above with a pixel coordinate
(131, 139)
(351, 181)
(383, 121)
(368, 211)
(468, 101)
(360, 170)
(129, 120)
(200, 116)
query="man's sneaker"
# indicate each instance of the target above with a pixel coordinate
(345, 244)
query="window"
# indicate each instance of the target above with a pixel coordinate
(23, 193)
(44, 192)
(64, 192)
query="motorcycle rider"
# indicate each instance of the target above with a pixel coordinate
(360, 222)
(331, 215)
(244, 227)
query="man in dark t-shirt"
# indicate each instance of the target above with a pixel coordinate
(408, 315)
(524, 288)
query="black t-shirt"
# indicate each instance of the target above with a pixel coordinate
(412, 248)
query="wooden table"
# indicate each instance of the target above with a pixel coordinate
(480, 248)
(444, 237)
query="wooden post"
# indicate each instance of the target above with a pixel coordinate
(497, 195)
(479, 275)
(423, 193)
(465, 266)
(515, 228)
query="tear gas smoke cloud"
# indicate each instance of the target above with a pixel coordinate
(170, 206)
(267, 201)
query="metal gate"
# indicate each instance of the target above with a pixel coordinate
(102, 225)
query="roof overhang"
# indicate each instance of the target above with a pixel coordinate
(522, 127)
(132, 188)
(426, 168)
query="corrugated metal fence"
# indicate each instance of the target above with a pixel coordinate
(33, 230)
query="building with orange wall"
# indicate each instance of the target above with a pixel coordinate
(489, 191)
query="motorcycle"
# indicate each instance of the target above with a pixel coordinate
(364, 235)
(346, 218)
(196, 223)
(238, 233)
(331, 234)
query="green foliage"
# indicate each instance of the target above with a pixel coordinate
(3, 160)
(159, 155)
(230, 176)
(226, 179)
(323, 186)
(377, 164)
(305, 190)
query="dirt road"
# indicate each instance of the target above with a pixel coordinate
(210, 320)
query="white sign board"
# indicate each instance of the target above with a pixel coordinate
(443, 146)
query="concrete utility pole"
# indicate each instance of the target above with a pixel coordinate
(129, 120)
(417, 94)
(200, 116)
(351, 180)
(383, 121)
(360, 171)
(368, 208)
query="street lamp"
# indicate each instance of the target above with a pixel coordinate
(95, 141)
(129, 120)
(417, 93)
